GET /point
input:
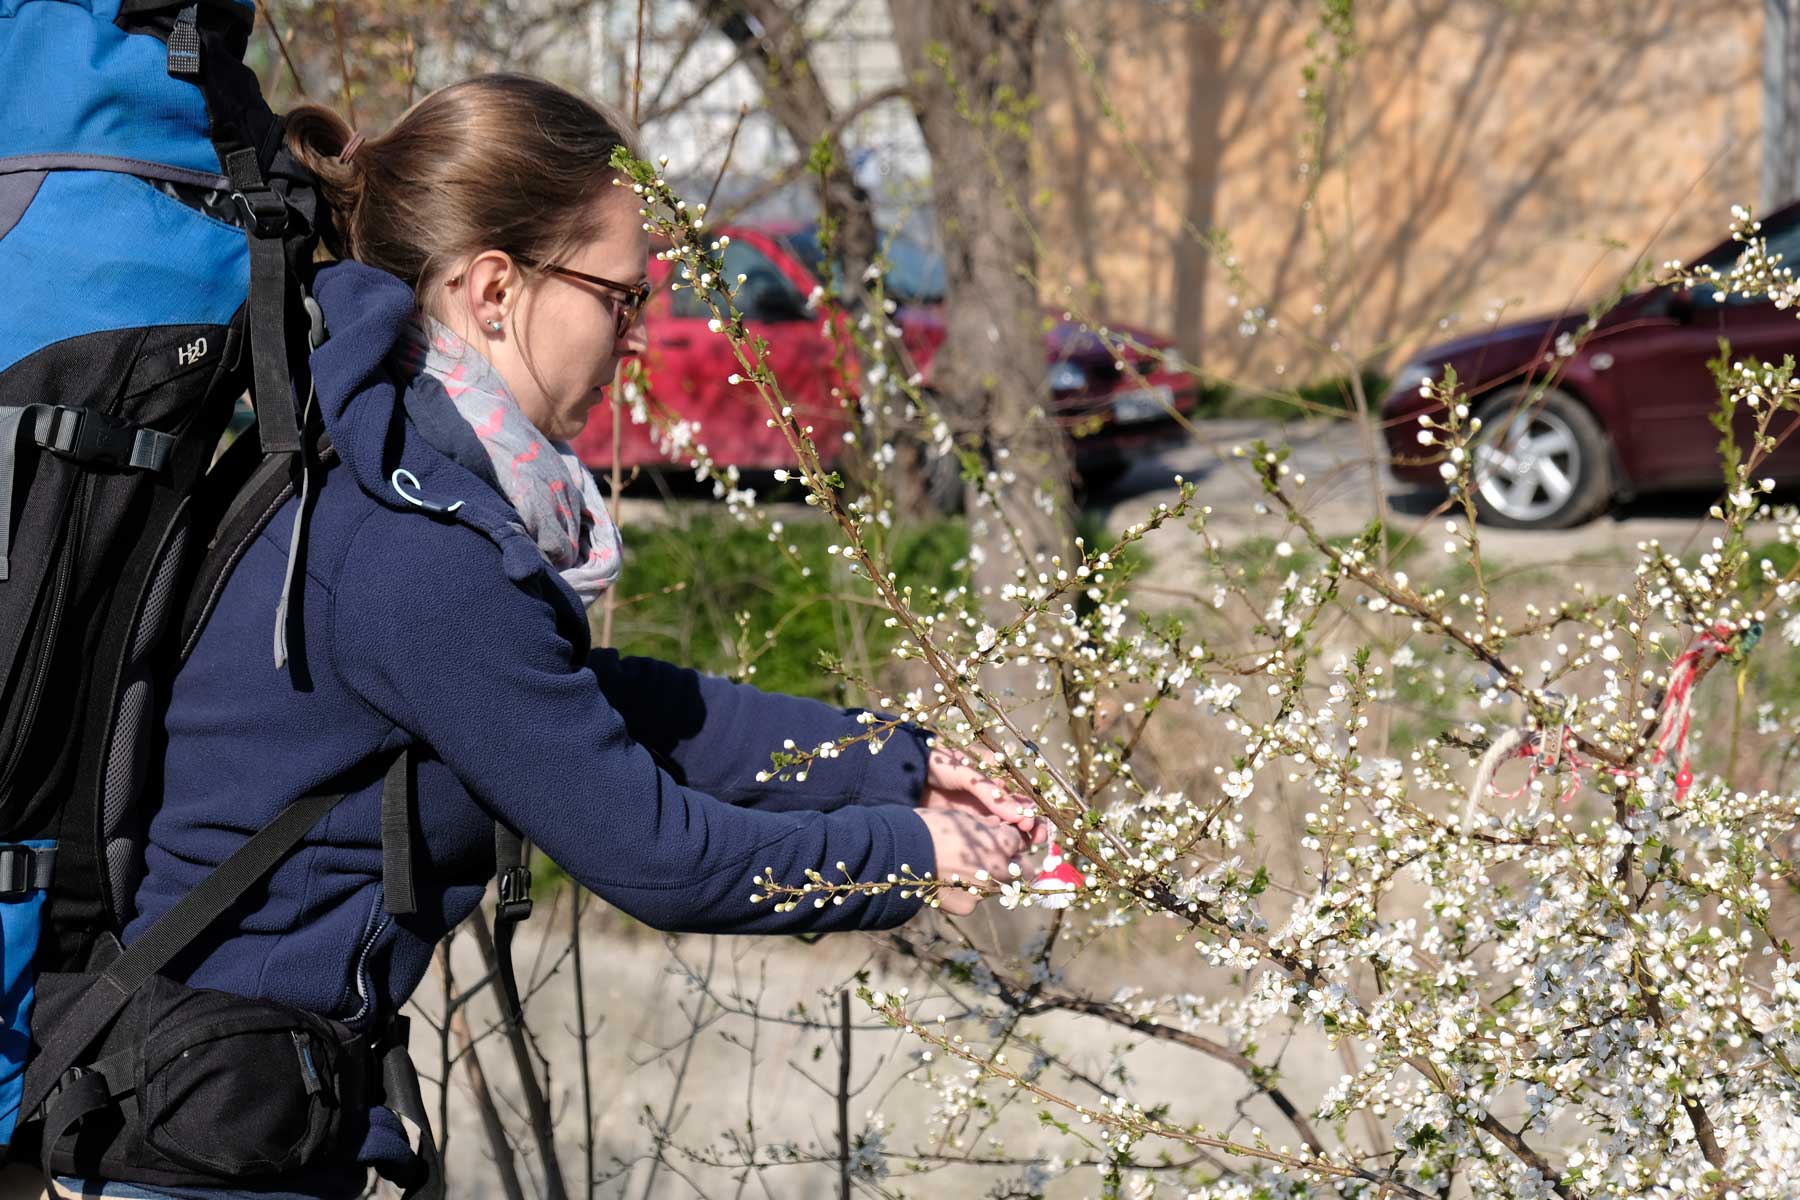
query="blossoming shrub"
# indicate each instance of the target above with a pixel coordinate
(1539, 929)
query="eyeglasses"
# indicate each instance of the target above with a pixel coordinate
(636, 294)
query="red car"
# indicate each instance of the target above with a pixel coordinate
(1114, 412)
(1628, 412)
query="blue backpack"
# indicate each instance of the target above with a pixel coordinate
(156, 242)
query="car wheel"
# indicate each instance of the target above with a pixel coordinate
(1539, 464)
(1100, 477)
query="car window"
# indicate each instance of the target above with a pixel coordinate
(915, 272)
(1783, 240)
(803, 244)
(765, 295)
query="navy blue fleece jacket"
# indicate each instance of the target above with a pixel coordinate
(450, 631)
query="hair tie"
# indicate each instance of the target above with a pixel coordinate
(351, 147)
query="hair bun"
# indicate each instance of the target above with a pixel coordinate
(351, 147)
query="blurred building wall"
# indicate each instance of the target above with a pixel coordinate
(1484, 160)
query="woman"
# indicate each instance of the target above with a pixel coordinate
(490, 283)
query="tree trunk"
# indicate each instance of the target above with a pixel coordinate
(980, 58)
(971, 69)
(1205, 98)
(1781, 103)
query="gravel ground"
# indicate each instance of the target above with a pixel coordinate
(645, 1004)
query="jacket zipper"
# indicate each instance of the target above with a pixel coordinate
(52, 625)
(377, 925)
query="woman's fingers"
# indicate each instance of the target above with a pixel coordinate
(966, 845)
(957, 902)
(956, 780)
(952, 771)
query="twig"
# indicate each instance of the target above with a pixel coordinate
(1018, 997)
(444, 1062)
(843, 1096)
(281, 45)
(736, 128)
(543, 1131)
(637, 67)
(337, 36)
(498, 1142)
(687, 1057)
(799, 167)
(581, 1041)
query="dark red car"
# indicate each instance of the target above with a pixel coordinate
(1628, 412)
(1114, 412)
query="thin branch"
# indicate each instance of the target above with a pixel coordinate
(274, 24)
(345, 96)
(788, 174)
(498, 1142)
(736, 128)
(543, 1130)
(843, 1096)
(581, 1045)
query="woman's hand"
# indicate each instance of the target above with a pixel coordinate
(966, 843)
(957, 782)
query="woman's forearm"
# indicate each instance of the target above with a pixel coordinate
(717, 736)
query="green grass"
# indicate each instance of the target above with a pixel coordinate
(1330, 394)
(685, 586)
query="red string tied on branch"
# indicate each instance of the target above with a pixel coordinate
(1675, 715)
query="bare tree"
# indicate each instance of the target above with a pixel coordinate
(1205, 100)
(772, 40)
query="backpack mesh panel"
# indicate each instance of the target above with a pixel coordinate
(128, 758)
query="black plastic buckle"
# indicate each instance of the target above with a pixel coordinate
(515, 895)
(69, 1078)
(265, 213)
(18, 871)
(395, 1033)
(91, 437)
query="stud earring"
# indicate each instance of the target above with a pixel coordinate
(494, 325)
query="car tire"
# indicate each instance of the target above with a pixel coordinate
(1100, 477)
(1541, 461)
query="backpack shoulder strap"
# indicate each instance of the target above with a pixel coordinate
(512, 907)
(265, 222)
(399, 823)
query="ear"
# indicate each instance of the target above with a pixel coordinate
(490, 284)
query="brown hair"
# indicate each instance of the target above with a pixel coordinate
(503, 162)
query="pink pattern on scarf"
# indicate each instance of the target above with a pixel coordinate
(488, 428)
(456, 381)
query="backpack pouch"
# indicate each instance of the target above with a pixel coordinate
(199, 1088)
(274, 1069)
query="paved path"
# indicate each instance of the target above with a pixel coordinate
(1339, 499)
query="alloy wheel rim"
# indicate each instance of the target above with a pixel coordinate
(1529, 470)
